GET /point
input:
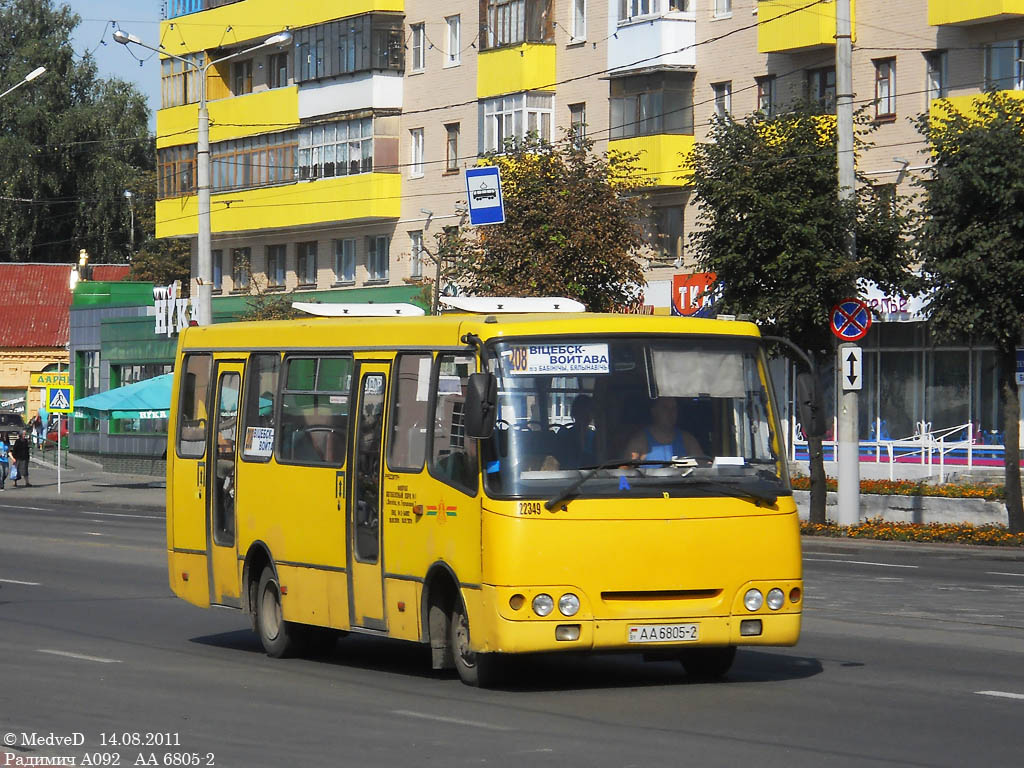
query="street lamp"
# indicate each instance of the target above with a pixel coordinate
(204, 266)
(27, 79)
(131, 225)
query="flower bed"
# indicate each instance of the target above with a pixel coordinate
(886, 530)
(911, 488)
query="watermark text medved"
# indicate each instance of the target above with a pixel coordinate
(50, 739)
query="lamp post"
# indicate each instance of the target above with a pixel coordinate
(204, 261)
(26, 79)
(131, 223)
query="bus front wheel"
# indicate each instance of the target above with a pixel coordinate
(480, 670)
(279, 637)
(707, 663)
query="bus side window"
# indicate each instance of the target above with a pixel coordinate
(453, 456)
(315, 410)
(260, 398)
(192, 416)
(407, 443)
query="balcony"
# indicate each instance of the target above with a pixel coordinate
(665, 41)
(232, 118)
(788, 26)
(364, 197)
(525, 67)
(965, 105)
(663, 158)
(176, 8)
(975, 12)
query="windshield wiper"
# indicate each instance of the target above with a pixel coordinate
(574, 486)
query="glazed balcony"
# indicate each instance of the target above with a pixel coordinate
(668, 40)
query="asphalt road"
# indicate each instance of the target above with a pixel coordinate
(910, 656)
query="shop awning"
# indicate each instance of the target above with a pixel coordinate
(148, 399)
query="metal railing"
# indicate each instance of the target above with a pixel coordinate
(177, 8)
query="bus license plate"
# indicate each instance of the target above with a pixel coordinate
(663, 633)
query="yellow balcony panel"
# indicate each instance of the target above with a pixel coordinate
(663, 158)
(526, 67)
(788, 25)
(974, 12)
(232, 118)
(965, 105)
(364, 197)
(253, 20)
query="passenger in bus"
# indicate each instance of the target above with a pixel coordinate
(576, 442)
(663, 438)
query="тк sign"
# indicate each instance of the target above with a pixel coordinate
(690, 295)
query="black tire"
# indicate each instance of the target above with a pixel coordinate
(480, 670)
(708, 663)
(280, 638)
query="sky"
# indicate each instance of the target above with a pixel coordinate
(139, 17)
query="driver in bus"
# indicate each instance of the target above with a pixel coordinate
(663, 438)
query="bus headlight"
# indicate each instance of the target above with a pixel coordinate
(568, 604)
(753, 600)
(543, 605)
(776, 598)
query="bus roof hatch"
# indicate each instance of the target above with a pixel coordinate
(358, 310)
(503, 304)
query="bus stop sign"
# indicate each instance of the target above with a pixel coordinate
(850, 320)
(483, 190)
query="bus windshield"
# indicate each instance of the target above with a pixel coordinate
(635, 416)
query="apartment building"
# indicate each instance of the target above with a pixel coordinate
(338, 161)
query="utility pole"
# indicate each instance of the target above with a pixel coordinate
(848, 438)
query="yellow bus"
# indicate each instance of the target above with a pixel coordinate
(487, 482)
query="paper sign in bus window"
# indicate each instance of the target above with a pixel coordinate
(557, 359)
(259, 441)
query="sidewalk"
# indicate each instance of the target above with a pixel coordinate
(87, 482)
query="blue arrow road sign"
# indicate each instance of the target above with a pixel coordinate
(483, 188)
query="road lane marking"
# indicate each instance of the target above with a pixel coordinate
(80, 656)
(452, 720)
(93, 533)
(859, 562)
(19, 506)
(1004, 573)
(1001, 694)
(22, 583)
(118, 514)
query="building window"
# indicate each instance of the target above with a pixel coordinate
(451, 147)
(821, 87)
(667, 232)
(723, 99)
(578, 122)
(122, 375)
(579, 19)
(305, 263)
(510, 118)
(416, 152)
(345, 260)
(766, 95)
(217, 257)
(453, 55)
(241, 261)
(177, 171)
(87, 382)
(885, 93)
(378, 257)
(723, 8)
(253, 162)
(354, 44)
(647, 105)
(419, 51)
(179, 80)
(277, 70)
(511, 22)
(343, 148)
(1004, 68)
(241, 77)
(276, 255)
(935, 82)
(416, 254)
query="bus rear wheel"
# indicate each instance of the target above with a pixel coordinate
(707, 663)
(480, 670)
(280, 638)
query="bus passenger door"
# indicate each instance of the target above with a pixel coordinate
(222, 555)
(364, 505)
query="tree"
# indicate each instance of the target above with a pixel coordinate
(572, 228)
(971, 245)
(70, 142)
(774, 232)
(162, 261)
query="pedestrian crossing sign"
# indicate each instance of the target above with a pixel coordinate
(60, 399)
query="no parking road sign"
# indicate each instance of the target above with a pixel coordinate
(60, 399)
(850, 320)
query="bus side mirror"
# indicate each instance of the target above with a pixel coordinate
(481, 405)
(810, 405)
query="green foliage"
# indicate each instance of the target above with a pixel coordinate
(70, 142)
(159, 261)
(572, 227)
(774, 230)
(266, 304)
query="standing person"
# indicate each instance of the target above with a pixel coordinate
(20, 454)
(4, 462)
